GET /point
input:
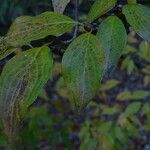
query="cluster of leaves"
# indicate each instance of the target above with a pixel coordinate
(85, 62)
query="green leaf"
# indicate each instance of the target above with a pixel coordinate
(21, 81)
(136, 95)
(82, 68)
(129, 49)
(128, 64)
(144, 50)
(26, 28)
(99, 8)
(138, 17)
(124, 96)
(113, 37)
(133, 108)
(146, 109)
(140, 94)
(109, 85)
(110, 110)
(60, 5)
(5, 50)
(133, 130)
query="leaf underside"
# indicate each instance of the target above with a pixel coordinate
(60, 5)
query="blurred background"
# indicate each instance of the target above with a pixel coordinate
(118, 118)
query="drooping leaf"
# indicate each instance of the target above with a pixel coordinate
(82, 68)
(21, 81)
(138, 17)
(99, 8)
(60, 5)
(113, 38)
(5, 50)
(26, 28)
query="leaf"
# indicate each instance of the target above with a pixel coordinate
(128, 64)
(21, 81)
(99, 8)
(136, 95)
(109, 85)
(110, 110)
(5, 50)
(105, 127)
(146, 109)
(60, 5)
(144, 50)
(133, 108)
(129, 49)
(132, 129)
(122, 120)
(124, 96)
(113, 38)
(82, 68)
(140, 94)
(138, 16)
(26, 28)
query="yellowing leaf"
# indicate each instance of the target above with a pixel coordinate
(124, 96)
(21, 82)
(113, 38)
(26, 28)
(99, 8)
(82, 68)
(60, 5)
(138, 17)
(5, 50)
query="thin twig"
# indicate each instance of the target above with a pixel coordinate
(76, 19)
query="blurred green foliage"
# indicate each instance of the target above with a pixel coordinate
(113, 126)
(10, 9)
